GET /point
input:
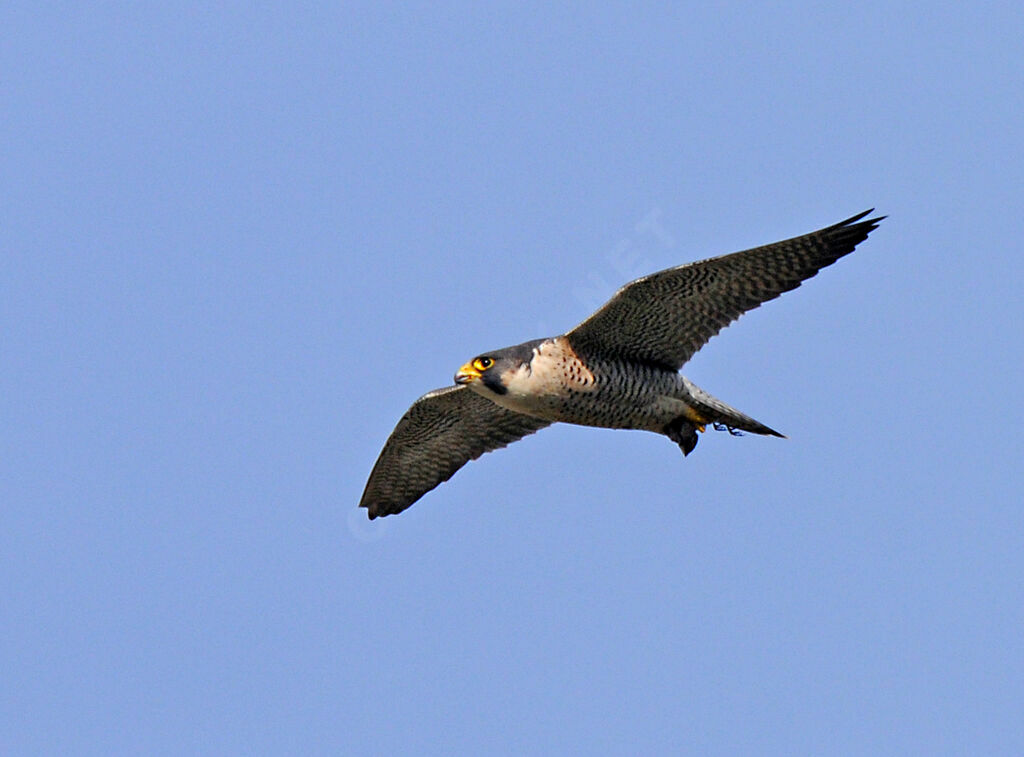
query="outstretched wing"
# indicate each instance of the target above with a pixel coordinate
(441, 432)
(666, 317)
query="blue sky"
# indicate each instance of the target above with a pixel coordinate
(238, 241)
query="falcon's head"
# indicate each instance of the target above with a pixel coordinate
(491, 372)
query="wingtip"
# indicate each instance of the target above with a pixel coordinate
(855, 218)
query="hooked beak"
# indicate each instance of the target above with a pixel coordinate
(467, 374)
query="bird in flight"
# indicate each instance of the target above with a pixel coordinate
(617, 369)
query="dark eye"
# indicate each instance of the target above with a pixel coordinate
(482, 363)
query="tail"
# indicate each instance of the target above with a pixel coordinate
(714, 411)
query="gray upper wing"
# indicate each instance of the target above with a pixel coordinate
(442, 431)
(666, 317)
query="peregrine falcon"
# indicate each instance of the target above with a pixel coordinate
(617, 369)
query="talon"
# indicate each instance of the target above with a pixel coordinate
(726, 427)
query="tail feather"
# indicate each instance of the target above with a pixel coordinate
(716, 411)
